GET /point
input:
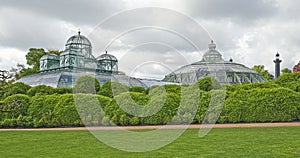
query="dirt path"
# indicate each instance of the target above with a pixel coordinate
(238, 125)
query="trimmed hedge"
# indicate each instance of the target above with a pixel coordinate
(198, 103)
(261, 105)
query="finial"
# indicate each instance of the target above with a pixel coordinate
(106, 52)
(79, 31)
(212, 45)
(277, 54)
(230, 60)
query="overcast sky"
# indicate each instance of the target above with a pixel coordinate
(151, 42)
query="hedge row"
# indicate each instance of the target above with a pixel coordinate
(133, 108)
(113, 103)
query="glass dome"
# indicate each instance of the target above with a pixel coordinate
(78, 41)
(80, 45)
(108, 62)
(212, 65)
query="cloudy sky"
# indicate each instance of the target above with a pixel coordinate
(152, 38)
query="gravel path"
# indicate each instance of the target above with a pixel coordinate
(237, 125)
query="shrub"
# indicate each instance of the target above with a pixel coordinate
(65, 112)
(17, 88)
(290, 80)
(87, 84)
(15, 105)
(63, 90)
(208, 84)
(111, 89)
(261, 105)
(137, 89)
(41, 89)
(90, 108)
(41, 109)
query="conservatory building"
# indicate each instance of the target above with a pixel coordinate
(213, 65)
(77, 60)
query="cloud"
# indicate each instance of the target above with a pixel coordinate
(75, 11)
(240, 11)
(250, 32)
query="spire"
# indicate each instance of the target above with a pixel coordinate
(212, 45)
(79, 31)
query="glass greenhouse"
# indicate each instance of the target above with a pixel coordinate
(77, 60)
(213, 65)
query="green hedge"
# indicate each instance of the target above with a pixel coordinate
(45, 106)
(261, 105)
(290, 80)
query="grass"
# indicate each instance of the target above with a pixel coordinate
(228, 142)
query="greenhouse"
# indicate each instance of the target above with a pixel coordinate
(213, 65)
(75, 61)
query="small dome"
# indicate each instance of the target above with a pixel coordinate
(78, 41)
(50, 56)
(212, 55)
(107, 57)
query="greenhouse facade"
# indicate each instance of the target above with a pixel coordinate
(75, 61)
(213, 65)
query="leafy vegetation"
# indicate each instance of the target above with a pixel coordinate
(261, 70)
(114, 103)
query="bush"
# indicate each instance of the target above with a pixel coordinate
(261, 105)
(111, 89)
(41, 109)
(87, 84)
(65, 112)
(41, 89)
(208, 84)
(90, 108)
(63, 90)
(17, 88)
(137, 89)
(15, 106)
(290, 80)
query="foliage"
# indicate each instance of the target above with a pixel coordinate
(65, 113)
(289, 80)
(16, 88)
(137, 89)
(286, 71)
(261, 105)
(111, 89)
(90, 109)
(261, 70)
(87, 84)
(41, 89)
(14, 106)
(63, 90)
(208, 84)
(41, 109)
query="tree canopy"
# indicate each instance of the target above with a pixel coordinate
(261, 70)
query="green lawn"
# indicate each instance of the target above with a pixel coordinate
(229, 142)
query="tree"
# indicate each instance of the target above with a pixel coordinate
(261, 70)
(4, 77)
(33, 60)
(286, 71)
(33, 57)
